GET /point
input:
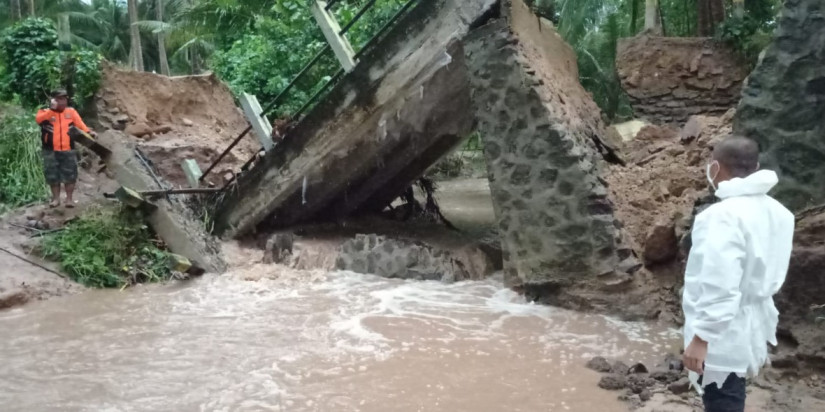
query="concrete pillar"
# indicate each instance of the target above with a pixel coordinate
(260, 124)
(339, 44)
(192, 171)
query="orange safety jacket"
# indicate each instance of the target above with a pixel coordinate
(55, 128)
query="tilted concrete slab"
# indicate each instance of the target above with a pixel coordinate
(172, 220)
(365, 142)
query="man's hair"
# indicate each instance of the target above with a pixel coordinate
(739, 155)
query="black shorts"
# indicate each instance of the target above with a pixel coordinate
(60, 167)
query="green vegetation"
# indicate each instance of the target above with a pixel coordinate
(21, 169)
(34, 65)
(592, 27)
(108, 247)
(258, 46)
(746, 35)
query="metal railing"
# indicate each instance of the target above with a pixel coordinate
(314, 61)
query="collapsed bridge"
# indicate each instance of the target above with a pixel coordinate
(444, 70)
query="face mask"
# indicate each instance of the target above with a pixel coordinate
(711, 178)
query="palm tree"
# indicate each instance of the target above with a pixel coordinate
(135, 51)
(187, 42)
(15, 10)
(164, 62)
(653, 18)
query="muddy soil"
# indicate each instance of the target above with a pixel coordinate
(176, 118)
(665, 387)
(20, 281)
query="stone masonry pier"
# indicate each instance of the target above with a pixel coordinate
(448, 68)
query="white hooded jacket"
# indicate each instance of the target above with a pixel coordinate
(738, 261)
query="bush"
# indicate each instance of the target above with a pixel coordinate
(35, 66)
(21, 167)
(747, 36)
(27, 49)
(108, 248)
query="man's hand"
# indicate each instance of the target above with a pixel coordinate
(695, 354)
(93, 133)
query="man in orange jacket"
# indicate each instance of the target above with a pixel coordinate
(59, 156)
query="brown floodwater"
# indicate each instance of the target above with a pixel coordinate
(310, 341)
(268, 338)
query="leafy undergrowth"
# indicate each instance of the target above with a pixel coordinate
(109, 247)
(21, 166)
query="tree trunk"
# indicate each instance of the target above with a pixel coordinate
(135, 51)
(739, 8)
(31, 8)
(64, 32)
(15, 10)
(653, 21)
(164, 61)
(709, 14)
(634, 15)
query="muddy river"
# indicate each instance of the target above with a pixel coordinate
(268, 338)
(310, 341)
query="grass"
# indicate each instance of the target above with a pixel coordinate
(21, 166)
(108, 247)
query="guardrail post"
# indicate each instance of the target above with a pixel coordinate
(339, 43)
(260, 123)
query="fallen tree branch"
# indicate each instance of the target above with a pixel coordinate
(33, 263)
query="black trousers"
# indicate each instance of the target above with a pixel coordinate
(729, 398)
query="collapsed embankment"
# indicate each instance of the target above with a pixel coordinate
(175, 118)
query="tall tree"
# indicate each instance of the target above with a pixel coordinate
(15, 10)
(739, 8)
(653, 17)
(31, 8)
(163, 59)
(135, 51)
(709, 14)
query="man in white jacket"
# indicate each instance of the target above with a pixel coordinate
(738, 261)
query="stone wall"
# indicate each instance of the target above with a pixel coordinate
(669, 79)
(783, 104)
(408, 259)
(541, 136)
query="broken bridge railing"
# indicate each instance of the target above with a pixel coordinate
(338, 43)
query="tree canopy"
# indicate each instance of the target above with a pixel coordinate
(258, 46)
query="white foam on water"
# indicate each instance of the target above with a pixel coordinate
(289, 340)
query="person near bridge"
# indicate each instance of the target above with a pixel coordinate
(59, 155)
(738, 261)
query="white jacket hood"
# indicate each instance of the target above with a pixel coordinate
(759, 183)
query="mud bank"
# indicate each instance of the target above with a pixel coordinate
(665, 386)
